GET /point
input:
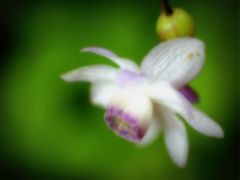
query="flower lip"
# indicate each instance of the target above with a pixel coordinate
(129, 113)
(124, 124)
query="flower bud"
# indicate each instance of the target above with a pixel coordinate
(178, 24)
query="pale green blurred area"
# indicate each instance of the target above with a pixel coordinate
(50, 128)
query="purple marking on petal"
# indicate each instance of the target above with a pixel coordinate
(130, 120)
(126, 78)
(124, 132)
(109, 119)
(100, 51)
(141, 133)
(113, 126)
(113, 110)
(120, 115)
(135, 128)
(189, 94)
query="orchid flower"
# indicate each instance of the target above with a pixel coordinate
(141, 101)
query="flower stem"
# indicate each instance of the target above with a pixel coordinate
(167, 8)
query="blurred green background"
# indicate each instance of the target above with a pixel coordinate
(49, 129)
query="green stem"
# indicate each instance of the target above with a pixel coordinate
(167, 7)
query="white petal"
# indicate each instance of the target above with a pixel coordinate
(202, 123)
(152, 132)
(91, 74)
(102, 92)
(175, 137)
(123, 63)
(177, 61)
(170, 98)
(162, 93)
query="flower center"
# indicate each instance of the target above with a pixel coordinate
(122, 124)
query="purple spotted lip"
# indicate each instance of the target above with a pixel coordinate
(124, 124)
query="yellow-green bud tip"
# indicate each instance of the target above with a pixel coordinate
(179, 24)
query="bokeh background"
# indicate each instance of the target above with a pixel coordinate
(50, 130)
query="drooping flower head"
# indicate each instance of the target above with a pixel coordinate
(141, 101)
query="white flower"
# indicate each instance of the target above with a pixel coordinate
(141, 101)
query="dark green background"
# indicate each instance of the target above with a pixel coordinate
(49, 129)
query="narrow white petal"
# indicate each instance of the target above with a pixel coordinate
(91, 74)
(177, 61)
(170, 98)
(202, 123)
(162, 93)
(123, 63)
(152, 132)
(175, 137)
(102, 92)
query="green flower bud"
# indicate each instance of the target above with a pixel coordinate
(179, 24)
